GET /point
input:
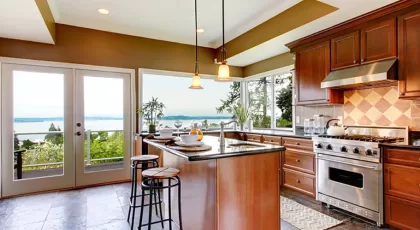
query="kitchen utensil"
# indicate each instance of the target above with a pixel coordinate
(335, 130)
(188, 139)
(193, 144)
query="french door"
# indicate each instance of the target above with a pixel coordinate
(63, 127)
(103, 127)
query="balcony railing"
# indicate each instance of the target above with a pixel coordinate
(88, 159)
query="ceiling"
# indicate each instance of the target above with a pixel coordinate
(22, 20)
(346, 10)
(169, 20)
(173, 20)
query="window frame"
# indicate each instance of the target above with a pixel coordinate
(272, 74)
(142, 72)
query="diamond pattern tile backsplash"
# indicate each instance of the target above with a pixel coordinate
(380, 107)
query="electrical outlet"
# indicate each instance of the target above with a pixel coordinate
(297, 120)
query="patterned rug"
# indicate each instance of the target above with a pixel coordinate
(305, 218)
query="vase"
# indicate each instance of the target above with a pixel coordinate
(196, 131)
(152, 128)
(250, 125)
(242, 127)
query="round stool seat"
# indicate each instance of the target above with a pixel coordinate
(144, 158)
(160, 173)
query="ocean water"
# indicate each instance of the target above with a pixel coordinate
(95, 125)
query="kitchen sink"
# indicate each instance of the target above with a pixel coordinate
(244, 146)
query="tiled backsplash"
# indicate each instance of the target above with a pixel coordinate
(380, 107)
(376, 107)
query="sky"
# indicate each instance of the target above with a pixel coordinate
(180, 100)
(42, 95)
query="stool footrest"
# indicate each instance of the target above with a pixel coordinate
(139, 206)
(156, 222)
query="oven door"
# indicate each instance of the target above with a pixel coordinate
(354, 181)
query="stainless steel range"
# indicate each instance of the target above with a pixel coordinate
(349, 169)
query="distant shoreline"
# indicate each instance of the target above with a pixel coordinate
(170, 118)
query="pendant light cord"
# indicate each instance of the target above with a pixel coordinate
(196, 39)
(223, 32)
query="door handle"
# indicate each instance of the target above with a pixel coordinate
(376, 168)
(78, 124)
(78, 133)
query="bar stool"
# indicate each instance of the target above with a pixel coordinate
(142, 162)
(151, 182)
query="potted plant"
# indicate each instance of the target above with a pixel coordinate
(242, 114)
(152, 111)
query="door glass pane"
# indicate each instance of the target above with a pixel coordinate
(38, 113)
(104, 136)
(260, 99)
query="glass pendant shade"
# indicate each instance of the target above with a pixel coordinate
(196, 82)
(224, 74)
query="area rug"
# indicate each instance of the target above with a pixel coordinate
(305, 218)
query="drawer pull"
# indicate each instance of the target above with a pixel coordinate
(271, 140)
(298, 181)
(297, 143)
(297, 160)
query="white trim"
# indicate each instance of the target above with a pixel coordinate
(181, 74)
(140, 101)
(271, 72)
(19, 61)
(1, 127)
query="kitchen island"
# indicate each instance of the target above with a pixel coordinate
(234, 187)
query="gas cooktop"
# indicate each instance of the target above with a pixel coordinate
(367, 138)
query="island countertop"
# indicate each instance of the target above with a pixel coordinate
(216, 152)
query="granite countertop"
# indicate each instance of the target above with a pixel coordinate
(402, 146)
(298, 134)
(216, 152)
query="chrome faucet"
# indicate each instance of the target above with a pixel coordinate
(222, 130)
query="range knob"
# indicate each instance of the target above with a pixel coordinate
(319, 146)
(329, 147)
(356, 150)
(375, 152)
(369, 152)
(343, 149)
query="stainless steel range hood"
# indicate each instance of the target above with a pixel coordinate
(377, 74)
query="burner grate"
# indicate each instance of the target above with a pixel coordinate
(366, 138)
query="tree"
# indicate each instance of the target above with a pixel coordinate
(233, 96)
(16, 143)
(27, 144)
(55, 138)
(284, 100)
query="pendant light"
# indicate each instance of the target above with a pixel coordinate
(196, 83)
(223, 74)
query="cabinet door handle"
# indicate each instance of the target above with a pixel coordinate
(354, 62)
(363, 60)
(297, 160)
(402, 94)
(298, 181)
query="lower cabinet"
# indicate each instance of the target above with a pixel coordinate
(402, 213)
(402, 188)
(299, 181)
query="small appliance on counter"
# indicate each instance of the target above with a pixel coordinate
(415, 138)
(319, 124)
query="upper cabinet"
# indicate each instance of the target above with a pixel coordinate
(379, 41)
(312, 66)
(345, 51)
(409, 55)
(372, 43)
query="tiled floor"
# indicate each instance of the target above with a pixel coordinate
(98, 208)
(106, 207)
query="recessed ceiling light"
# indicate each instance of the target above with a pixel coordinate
(103, 11)
(200, 30)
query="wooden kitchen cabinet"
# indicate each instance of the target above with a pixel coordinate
(402, 187)
(379, 41)
(402, 213)
(312, 66)
(345, 51)
(409, 55)
(298, 165)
